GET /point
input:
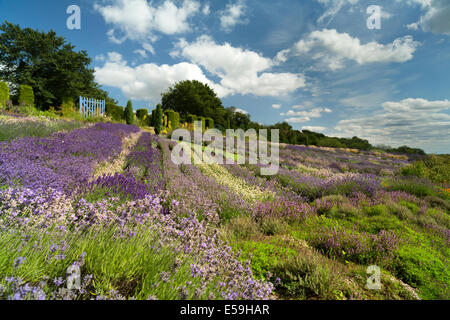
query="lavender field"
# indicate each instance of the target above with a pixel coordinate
(108, 199)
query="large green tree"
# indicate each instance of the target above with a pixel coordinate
(47, 63)
(193, 97)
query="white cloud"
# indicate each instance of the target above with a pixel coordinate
(314, 128)
(100, 57)
(414, 122)
(233, 15)
(148, 47)
(241, 71)
(276, 106)
(141, 52)
(147, 81)
(436, 17)
(333, 7)
(139, 20)
(240, 111)
(206, 9)
(304, 116)
(331, 49)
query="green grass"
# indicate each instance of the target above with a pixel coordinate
(130, 266)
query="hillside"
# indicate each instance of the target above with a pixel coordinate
(113, 204)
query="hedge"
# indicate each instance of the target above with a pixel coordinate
(4, 94)
(115, 112)
(26, 96)
(173, 118)
(142, 113)
(129, 113)
(209, 123)
(158, 119)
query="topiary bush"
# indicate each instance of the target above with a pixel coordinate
(26, 96)
(4, 94)
(209, 123)
(129, 114)
(141, 114)
(158, 119)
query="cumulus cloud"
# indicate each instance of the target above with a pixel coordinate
(241, 71)
(147, 81)
(436, 17)
(233, 14)
(239, 110)
(304, 116)
(276, 106)
(331, 49)
(140, 20)
(415, 122)
(314, 128)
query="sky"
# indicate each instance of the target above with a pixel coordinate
(321, 65)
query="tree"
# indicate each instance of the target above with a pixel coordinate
(192, 97)
(47, 63)
(158, 119)
(129, 113)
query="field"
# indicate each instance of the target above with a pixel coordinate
(108, 199)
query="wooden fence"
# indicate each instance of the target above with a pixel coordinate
(91, 107)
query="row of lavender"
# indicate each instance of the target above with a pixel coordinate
(47, 187)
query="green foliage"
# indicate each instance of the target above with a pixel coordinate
(173, 118)
(141, 114)
(438, 167)
(192, 118)
(413, 186)
(129, 113)
(114, 111)
(304, 277)
(48, 64)
(26, 96)
(158, 119)
(422, 269)
(209, 123)
(4, 94)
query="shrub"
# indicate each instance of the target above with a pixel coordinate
(416, 187)
(26, 95)
(141, 114)
(305, 276)
(115, 112)
(158, 119)
(192, 118)
(129, 114)
(173, 119)
(417, 169)
(4, 94)
(209, 123)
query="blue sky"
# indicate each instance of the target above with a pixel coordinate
(313, 63)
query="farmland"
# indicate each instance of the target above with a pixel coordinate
(107, 198)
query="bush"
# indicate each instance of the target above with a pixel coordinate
(192, 118)
(4, 94)
(158, 119)
(26, 95)
(129, 114)
(173, 119)
(413, 186)
(115, 112)
(141, 114)
(209, 123)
